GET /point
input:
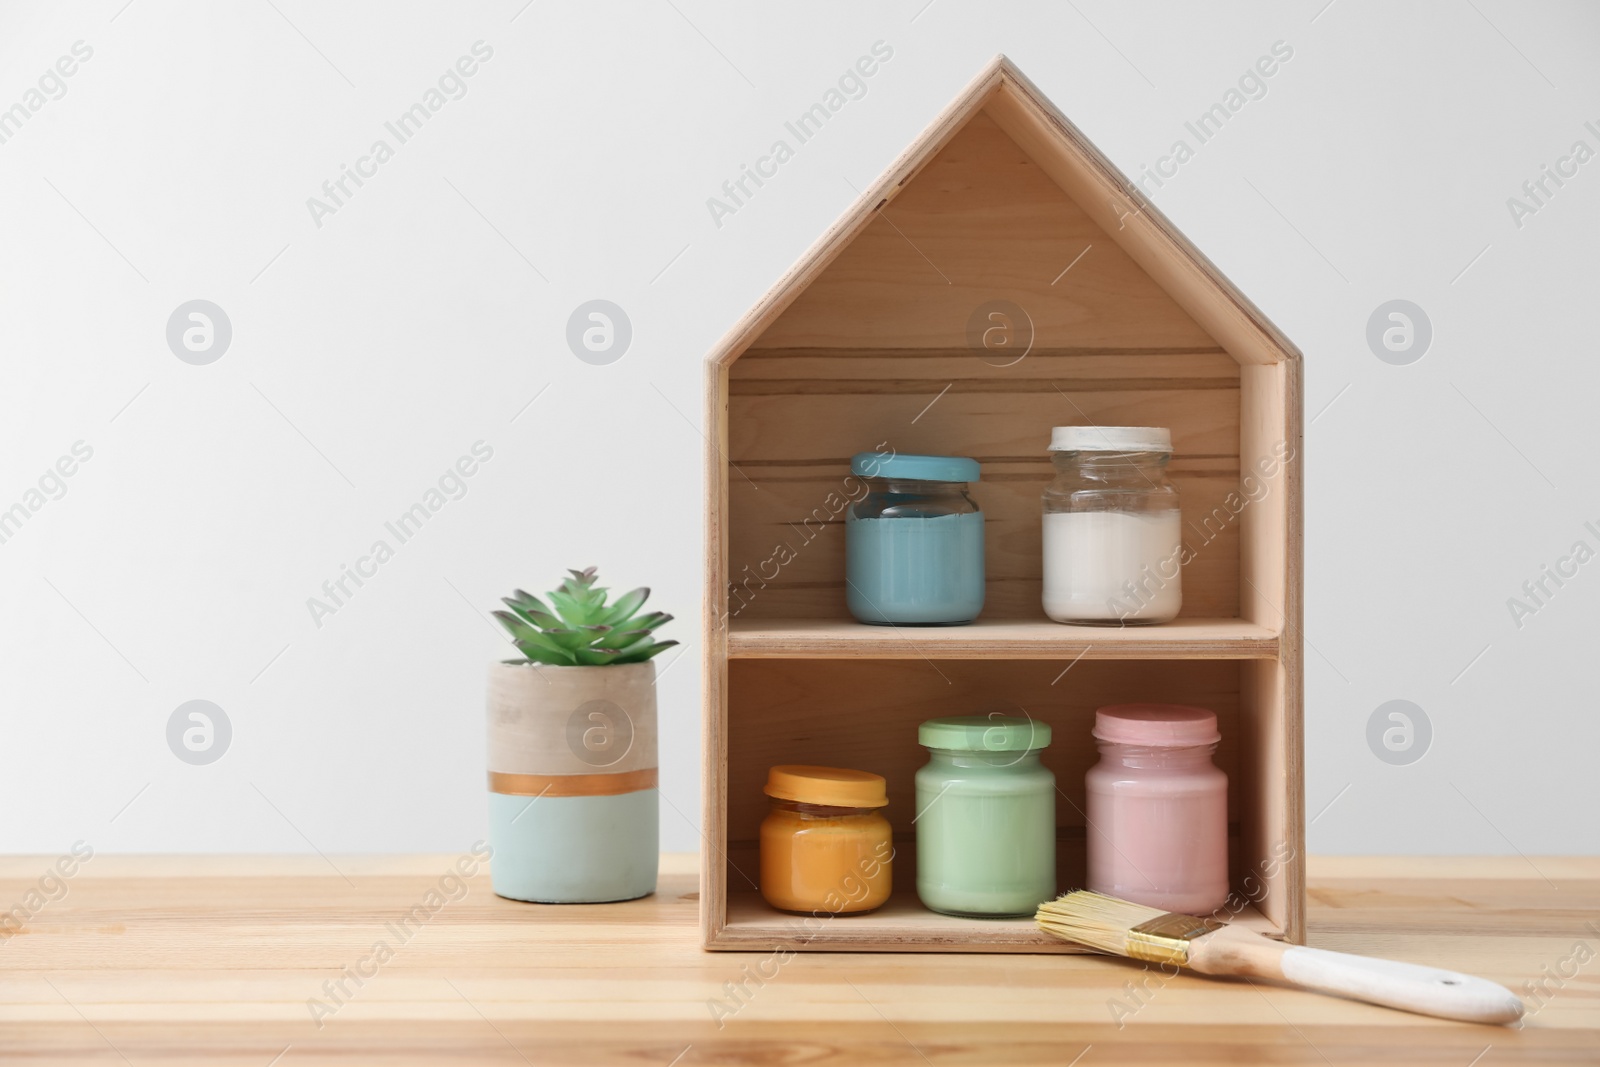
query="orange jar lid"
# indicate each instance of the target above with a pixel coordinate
(833, 786)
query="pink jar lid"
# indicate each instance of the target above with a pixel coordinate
(1156, 725)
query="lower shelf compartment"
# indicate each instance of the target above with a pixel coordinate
(902, 925)
(864, 713)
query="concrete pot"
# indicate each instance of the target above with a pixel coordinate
(573, 805)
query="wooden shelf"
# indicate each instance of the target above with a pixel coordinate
(902, 925)
(864, 344)
(999, 639)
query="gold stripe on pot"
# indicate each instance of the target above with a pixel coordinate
(572, 785)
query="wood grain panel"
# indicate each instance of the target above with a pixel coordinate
(1270, 593)
(186, 960)
(903, 924)
(864, 714)
(786, 539)
(1070, 369)
(1147, 236)
(986, 420)
(981, 222)
(1184, 638)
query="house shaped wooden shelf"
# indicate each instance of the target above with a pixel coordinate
(1001, 278)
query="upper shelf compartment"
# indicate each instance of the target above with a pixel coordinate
(894, 347)
(999, 639)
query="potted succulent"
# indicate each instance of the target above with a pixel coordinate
(572, 747)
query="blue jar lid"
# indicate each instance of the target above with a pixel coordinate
(914, 468)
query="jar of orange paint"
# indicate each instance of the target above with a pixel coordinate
(826, 848)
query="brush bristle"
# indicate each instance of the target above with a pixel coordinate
(1091, 919)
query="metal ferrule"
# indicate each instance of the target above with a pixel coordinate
(1165, 939)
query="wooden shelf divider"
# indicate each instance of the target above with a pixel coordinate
(901, 924)
(999, 639)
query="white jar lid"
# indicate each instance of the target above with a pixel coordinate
(1110, 439)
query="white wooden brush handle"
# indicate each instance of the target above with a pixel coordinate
(1425, 990)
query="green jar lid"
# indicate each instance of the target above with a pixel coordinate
(984, 733)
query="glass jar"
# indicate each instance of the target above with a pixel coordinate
(986, 816)
(914, 543)
(1158, 808)
(1113, 534)
(825, 846)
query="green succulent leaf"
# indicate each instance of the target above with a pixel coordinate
(521, 631)
(580, 587)
(645, 651)
(645, 622)
(622, 638)
(626, 605)
(574, 612)
(536, 654)
(531, 643)
(522, 599)
(644, 644)
(534, 616)
(568, 639)
(574, 624)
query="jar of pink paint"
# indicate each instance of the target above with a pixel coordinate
(1158, 808)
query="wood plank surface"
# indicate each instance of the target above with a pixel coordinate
(1147, 236)
(212, 960)
(982, 221)
(903, 921)
(1184, 638)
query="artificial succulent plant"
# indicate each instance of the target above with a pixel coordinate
(579, 629)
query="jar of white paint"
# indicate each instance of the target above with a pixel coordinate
(1113, 535)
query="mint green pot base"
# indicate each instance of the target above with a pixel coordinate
(574, 850)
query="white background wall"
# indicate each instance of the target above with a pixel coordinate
(371, 351)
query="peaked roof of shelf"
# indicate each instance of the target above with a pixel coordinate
(1072, 161)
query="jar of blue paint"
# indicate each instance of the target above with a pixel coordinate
(914, 543)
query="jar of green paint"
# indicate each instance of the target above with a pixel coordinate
(986, 816)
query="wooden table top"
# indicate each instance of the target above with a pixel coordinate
(233, 960)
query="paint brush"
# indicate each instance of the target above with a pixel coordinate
(1210, 947)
